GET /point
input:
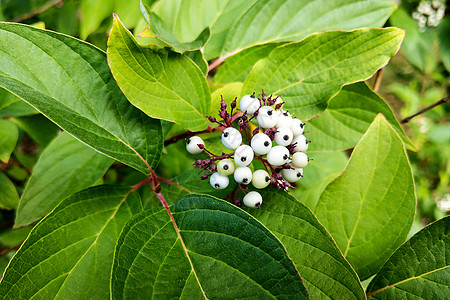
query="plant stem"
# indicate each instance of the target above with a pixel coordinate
(167, 181)
(379, 76)
(443, 100)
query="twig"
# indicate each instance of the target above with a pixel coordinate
(6, 250)
(220, 60)
(378, 77)
(37, 11)
(187, 134)
(443, 100)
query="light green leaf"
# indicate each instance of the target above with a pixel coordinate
(223, 251)
(291, 20)
(419, 269)
(65, 167)
(163, 33)
(229, 92)
(8, 194)
(69, 254)
(238, 66)
(312, 71)
(444, 42)
(369, 209)
(162, 83)
(325, 272)
(347, 117)
(93, 12)
(198, 58)
(129, 12)
(11, 105)
(311, 195)
(9, 134)
(79, 94)
(38, 127)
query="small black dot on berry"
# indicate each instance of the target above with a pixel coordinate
(299, 175)
(188, 142)
(267, 178)
(301, 125)
(285, 156)
(286, 113)
(286, 137)
(266, 143)
(217, 185)
(269, 112)
(245, 180)
(225, 167)
(225, 134)
(243, 158)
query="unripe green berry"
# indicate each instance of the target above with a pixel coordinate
(226, 167)
(260, 179)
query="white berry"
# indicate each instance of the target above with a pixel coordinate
(192, 145)
(243, 175)
(278, 156)
(226, 167)
(292, 175)
(284, 120)
(219, 181)
(302, 143)
(243, 155)
(299, 160)
(297, 127)
(260, 179)
(249, 104)
(261, 143)
(253, 199)
(231, 138)
(267, 117)
(284, 136)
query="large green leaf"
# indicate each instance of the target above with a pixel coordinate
(69, 81)
(8, 193)
(312, 71)
(69, 254)
(93, 12)
(444, 42)
(66, 166)
(162, 83)
(325, 272)
(223, 252)
(11, 105)
(287, 20)
(369, 209)
(419, 269)
(9, 135)
(347, 117)
(38, 127)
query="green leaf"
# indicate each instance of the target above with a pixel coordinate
(369, 209)
(8, 194)
(325, 272)
(12, 106)
(197, 57)
(162, 83)
(223, 250)
(69, 254)
(65, 167)
(312, 71)
(288, 20)
(9, 134)
(79, 94)
(347, 117)
(93, 12)
(238, 66)
(419, 269)
(163, 33)
(229, 92)
(311, 195)
(38, 127)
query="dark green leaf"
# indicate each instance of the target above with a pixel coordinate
(162, 83)
(369, 209)
(79, 94)
(8, 194)
(325, 272)
(8, 139)
(444, 42)
(11, 105)
(223, 251)
(66, 166)
(93, 12)
(347, 117)
(38, 127)
(312, 71)
(69, 254)
(419, 269)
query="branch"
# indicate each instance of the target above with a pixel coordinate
(379, 76)
(187, 134)
(443, 100)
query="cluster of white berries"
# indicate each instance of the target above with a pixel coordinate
(429, 13)
(279, 147)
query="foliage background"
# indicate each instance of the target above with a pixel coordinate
(416, 77)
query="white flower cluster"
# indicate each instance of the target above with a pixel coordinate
(429, 13)
(280, 147)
